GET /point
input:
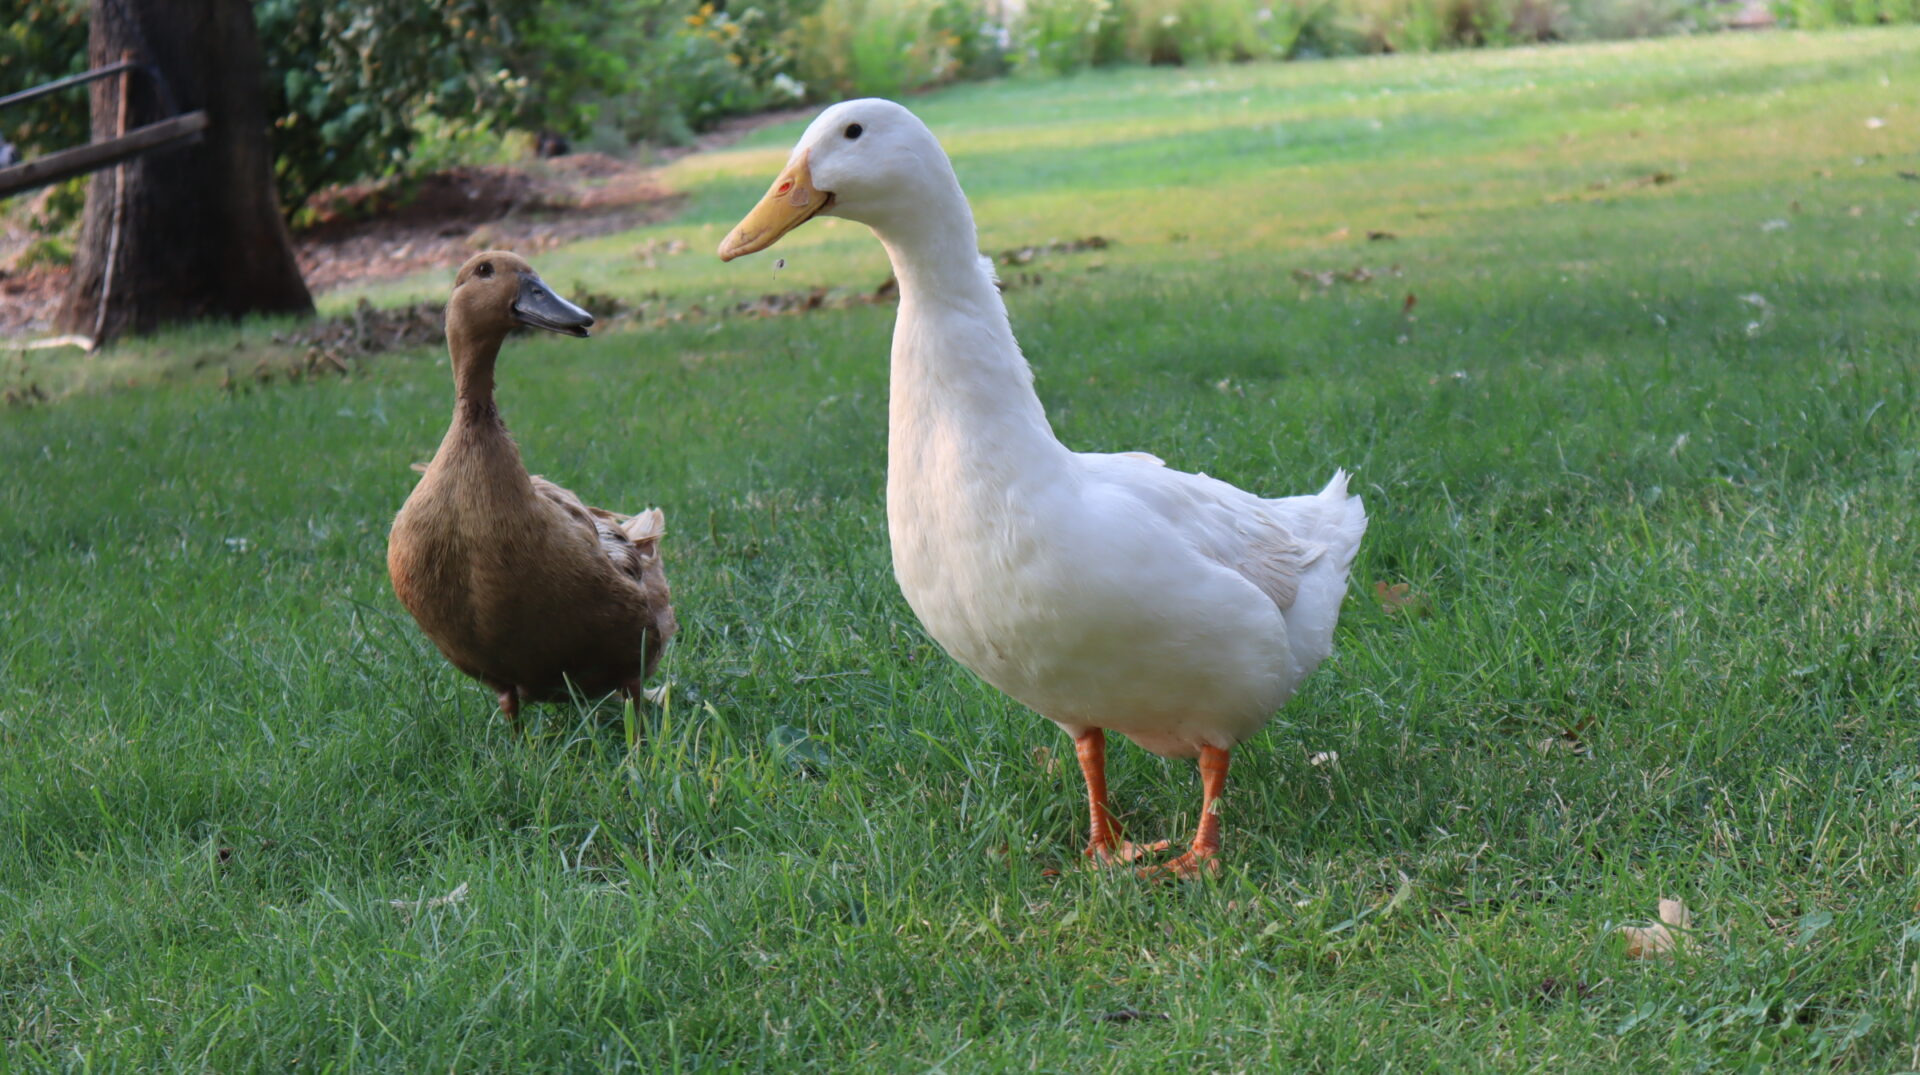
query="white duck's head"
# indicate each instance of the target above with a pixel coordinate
(869, 160)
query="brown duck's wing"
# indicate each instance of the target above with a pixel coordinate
(632, 543)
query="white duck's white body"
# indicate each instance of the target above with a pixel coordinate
(1104, 591)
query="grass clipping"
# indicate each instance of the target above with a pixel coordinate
(1659, 939)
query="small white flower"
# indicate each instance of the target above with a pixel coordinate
(788, 86)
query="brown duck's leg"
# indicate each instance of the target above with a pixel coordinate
(510, 707)
(1206, 842)
(1105, 845)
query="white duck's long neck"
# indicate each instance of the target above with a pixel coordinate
(961, 395)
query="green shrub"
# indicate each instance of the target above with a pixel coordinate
(1824, 14)
(351, 80)
(1609, 19)
(45, 250)
(1191, 31)
(42, 40)
(863, 48)
(1061, 36)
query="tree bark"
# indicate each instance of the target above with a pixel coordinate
(199, 228)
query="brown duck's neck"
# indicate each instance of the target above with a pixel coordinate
(477, 446)
(473, 357)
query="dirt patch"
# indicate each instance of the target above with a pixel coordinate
(450, 215)
(28, 299)
(373, 231)
(369, 231)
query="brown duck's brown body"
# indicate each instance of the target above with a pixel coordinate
(520, 584)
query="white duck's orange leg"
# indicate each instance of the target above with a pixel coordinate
(1104, 845)
(1206, 842)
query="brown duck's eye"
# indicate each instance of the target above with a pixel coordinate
(483, 270)
(853, 131)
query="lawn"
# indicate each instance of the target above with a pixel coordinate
(1630, 391)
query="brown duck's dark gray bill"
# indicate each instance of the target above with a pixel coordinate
(538, 306)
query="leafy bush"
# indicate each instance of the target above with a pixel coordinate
(42, 40)
(1637, 18)
(351, 81)
(1823, 14)
(1191, 31)
(1060, 36)
(883, 48)
(355, 84)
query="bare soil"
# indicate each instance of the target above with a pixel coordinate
(377, 231)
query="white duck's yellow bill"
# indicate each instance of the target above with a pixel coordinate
(790, 202)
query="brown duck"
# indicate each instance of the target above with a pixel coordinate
(521, 585)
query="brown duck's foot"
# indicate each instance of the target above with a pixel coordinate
(1187, 866)
(510, 707)
(1119, 852)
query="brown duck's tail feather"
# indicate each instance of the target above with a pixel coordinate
(645, 528)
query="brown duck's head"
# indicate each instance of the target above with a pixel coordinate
(497, 290)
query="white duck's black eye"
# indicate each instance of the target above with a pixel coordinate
(483, 270)
(853, 131)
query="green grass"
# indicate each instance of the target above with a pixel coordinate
(1634, 500)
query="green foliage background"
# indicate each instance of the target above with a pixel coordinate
(40, 41)
(354, 83)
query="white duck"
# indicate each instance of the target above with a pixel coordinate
(1104, 591)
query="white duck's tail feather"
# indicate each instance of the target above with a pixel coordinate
(1334, 520)
(1329, 522)
(1344, 520)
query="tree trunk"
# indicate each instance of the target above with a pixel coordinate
(199, 228)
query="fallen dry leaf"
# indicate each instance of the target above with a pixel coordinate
(1566, 741)
(1043, 757)
(1326, 278)
(1569, 740)
(1324, 757)
(1398, 597)
(1128, 1015)
(409, 908)
(1024, 254)
(1552, 988)
(1652, 942)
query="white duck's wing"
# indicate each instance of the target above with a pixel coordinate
(632, 543)
(1271, 543)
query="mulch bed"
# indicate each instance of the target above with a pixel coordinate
(378, 232)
